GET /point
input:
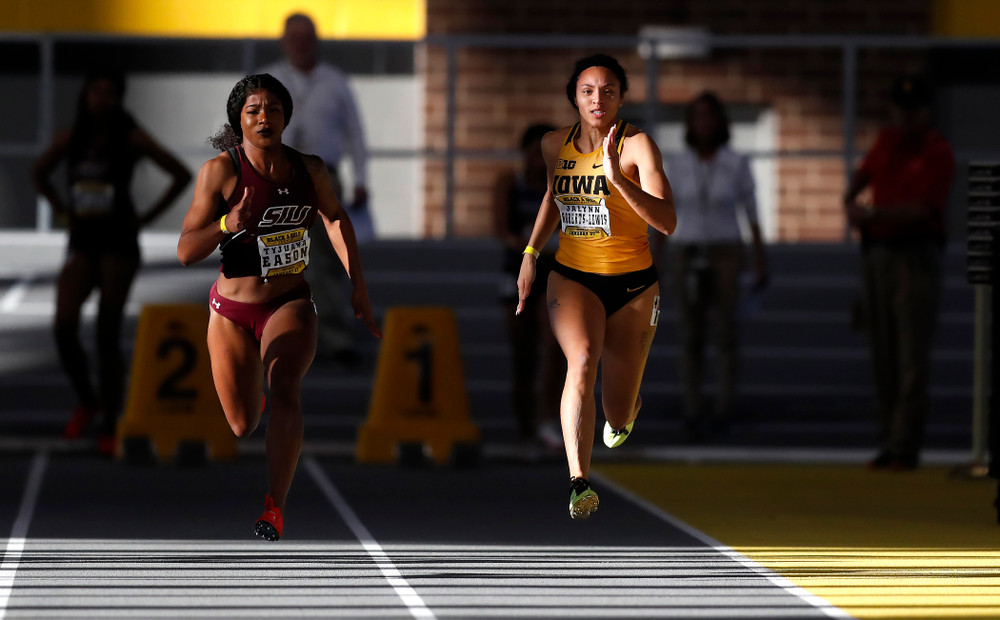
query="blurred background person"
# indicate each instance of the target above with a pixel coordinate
(711, 184)
(537, 363)
(909, 170)
(329, 126)
(100, 151)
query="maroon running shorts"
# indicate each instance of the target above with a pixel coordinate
(253, 317)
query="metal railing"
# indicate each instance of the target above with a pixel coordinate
(848, 45)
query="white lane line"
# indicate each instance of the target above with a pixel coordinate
(19, 532)
(804, 595)
(46, 309)
(407, 594)
(15, 295)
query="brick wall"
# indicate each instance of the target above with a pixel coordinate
(500, 91)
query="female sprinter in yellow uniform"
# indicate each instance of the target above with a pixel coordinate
(606, 186)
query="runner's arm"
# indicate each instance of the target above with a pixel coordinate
(548, 213)
(335, 219)
(201, 233)
(652, 199)
(341, 232)
(545, 222)
(41, 172)
(180, 176)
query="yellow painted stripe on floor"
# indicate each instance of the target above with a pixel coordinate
(878, 545)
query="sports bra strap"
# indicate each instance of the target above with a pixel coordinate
(235, 157)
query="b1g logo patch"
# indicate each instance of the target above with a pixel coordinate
(283, 253)
(565, 164)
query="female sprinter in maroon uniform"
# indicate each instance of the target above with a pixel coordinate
(256, 202)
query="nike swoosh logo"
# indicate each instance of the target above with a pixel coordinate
(596, 166)
(632, 290)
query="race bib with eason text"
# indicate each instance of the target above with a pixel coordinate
(584, 217)
(283, 253)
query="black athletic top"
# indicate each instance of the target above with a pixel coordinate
(99, 170)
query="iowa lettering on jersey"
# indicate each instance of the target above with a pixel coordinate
(582, 184)
(285, 215)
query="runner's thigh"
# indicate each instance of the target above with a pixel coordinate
(627, 342)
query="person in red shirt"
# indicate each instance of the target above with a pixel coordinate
(909, 172)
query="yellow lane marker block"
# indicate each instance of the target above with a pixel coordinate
(171, 397)
(877, 545)
(419, 395)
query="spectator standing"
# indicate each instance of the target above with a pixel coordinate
(100, 151)
(537, 361)
(328, 126)
(711, 185)
(909, 171)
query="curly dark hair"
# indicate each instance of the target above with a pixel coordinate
(231, 133)
(597, 60)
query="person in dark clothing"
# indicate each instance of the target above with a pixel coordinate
(100, 151)
(537, 362)
(909, 171)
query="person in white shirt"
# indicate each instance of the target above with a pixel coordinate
(329, 126)
(711, 183)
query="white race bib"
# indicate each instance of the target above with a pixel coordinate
(283, 253)
(584, 217)
(93, 198)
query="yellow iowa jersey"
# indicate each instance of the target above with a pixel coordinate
(599, 231)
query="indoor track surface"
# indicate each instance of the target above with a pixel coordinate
(681, 532)
(96, 538)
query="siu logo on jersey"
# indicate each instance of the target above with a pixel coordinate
(286, 215)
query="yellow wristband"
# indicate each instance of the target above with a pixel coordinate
(532, 251)
(222, 225)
